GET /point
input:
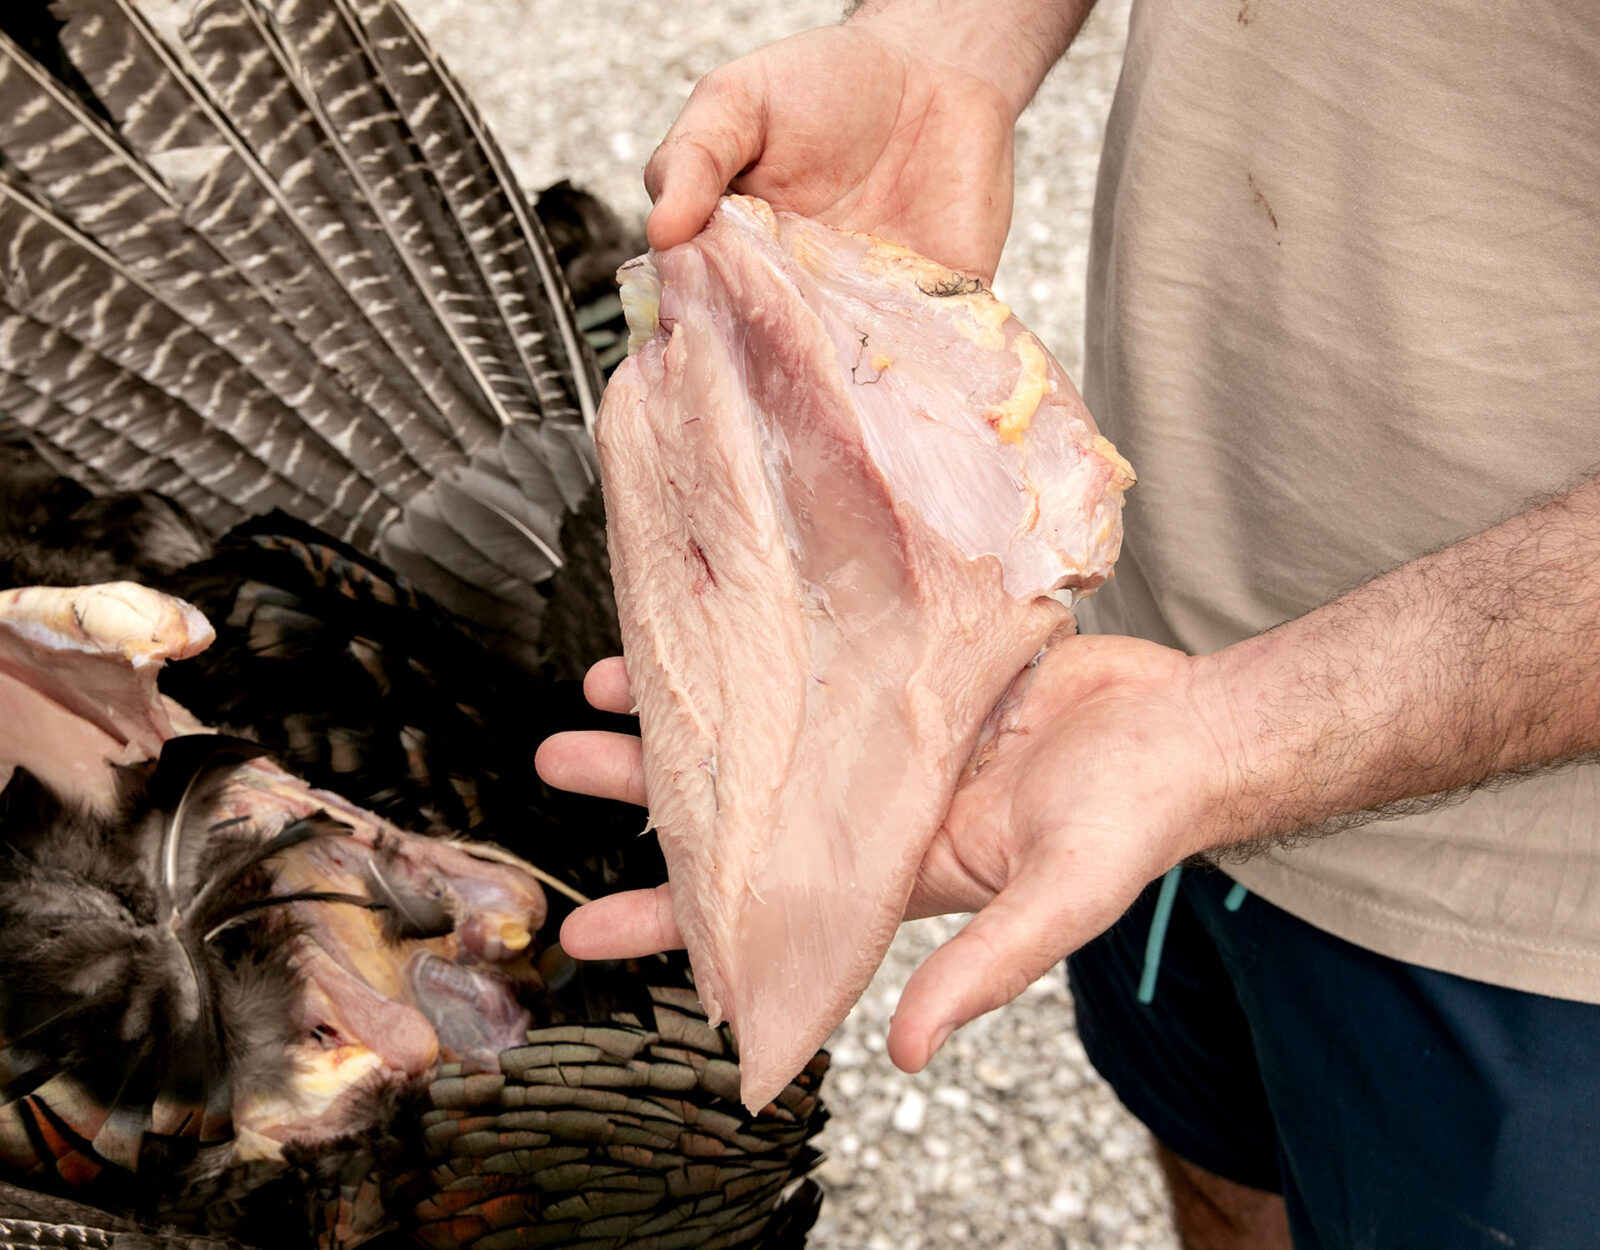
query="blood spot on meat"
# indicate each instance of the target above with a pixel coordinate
(701, 578)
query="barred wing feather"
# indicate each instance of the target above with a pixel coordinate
(283, 265)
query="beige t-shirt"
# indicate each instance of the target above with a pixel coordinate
(1344, 309)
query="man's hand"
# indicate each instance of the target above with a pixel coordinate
(847, 127)
(1097, 786)
(1479, 661)
(897, 123)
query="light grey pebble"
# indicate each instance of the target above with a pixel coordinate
(910, 1111)
(952, 1096)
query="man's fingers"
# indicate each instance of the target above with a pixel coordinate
(686, 196)
(720, 131)
(622, 926)
(590, 761)
(605, 685)
(1023, 933)
(687, 176)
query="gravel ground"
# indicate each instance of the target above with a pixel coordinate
(1009, 1139)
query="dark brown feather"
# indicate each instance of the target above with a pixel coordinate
(121, 982)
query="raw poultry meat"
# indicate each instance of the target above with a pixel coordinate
(67, 704)
(845, 490)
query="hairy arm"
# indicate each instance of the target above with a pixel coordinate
(1474, 664)
(1478, 662)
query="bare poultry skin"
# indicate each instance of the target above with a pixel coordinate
(388, 955)
(845, 491)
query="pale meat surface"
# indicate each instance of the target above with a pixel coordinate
(78, 670)
(841, 484)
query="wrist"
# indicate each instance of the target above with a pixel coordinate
(1303, 725)
(1475, 662)
(1246, 796)
(1009, 44)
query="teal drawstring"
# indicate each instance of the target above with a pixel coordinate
(1161, 917)
(1158, 934)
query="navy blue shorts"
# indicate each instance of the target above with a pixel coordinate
(1393, 1107)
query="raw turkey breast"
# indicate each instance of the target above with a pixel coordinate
(843, 485)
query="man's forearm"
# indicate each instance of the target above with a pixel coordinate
(1479, 661)
(1011, 44)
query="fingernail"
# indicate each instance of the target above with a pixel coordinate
(940, 1038)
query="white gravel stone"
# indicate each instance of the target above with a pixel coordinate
(954, 1097)
(995, 1072)
(910, 1112)
(1017, 1144)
